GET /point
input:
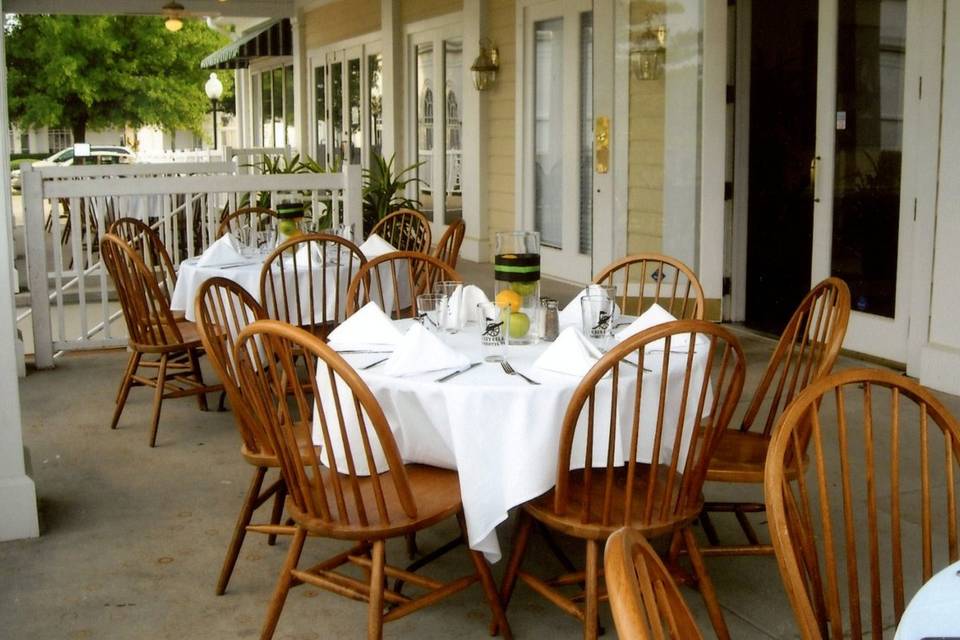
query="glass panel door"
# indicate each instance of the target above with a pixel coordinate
(424, 104)
(353, 115)
(558, 165)
(453, 150)
(321, 117)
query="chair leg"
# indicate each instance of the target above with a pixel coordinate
(411, 540)
(375, 610)
(513, 566)
(278, 499)
(591, 613)
(158, 398)
(195, 364)
(240, 530)
(283, 584)
(490, 591)
(125, 385)
(706, 586)
(708, 528)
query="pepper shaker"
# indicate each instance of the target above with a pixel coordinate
(551, 319)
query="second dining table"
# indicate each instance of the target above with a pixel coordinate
(500, 433)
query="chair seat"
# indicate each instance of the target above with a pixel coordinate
(571, 523)
(436, 491)
(739, 457)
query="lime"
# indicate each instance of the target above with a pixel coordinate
(288, 227)
(523, 288)
(519, 325)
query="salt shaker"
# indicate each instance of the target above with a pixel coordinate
(551, 319)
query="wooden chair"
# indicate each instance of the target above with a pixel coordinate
(645, 600)
(317, 303)
(259, 218)
(806, 352)
(662, 499)
(334, 499)
(223, 309)
(146, 241)
(406, 230)
(448, 249)
(654, 278)
(157, 340)
(882, 482)
(394, 280)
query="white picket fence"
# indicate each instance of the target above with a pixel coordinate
(68, 209)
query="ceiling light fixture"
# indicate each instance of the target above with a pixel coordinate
(173, 12)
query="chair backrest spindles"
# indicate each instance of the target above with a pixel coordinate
(406, 230)
(663, 280)
(394, 280)
(147, 242)
(326, 486)
(448, 249)
(258, 219)
(840, 525)
(666, 438)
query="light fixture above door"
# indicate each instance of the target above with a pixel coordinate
(173, 14)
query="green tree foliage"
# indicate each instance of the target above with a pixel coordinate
(98, 72)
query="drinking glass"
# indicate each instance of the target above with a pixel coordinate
(431, 309)
(453, 319)
(243, 236)
(345, 231)
(493, 331)
(597, 316)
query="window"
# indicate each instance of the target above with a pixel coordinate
(59, 139)
(277, 128)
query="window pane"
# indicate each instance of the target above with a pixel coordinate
(866, 208)
(356, 135)
(278, 134)
(320, 111)
(266, 110)
(548, 130)
(375, 78)
(289, 125)
(425, 103)
(336, 113)
(453, 72)
(586, 133)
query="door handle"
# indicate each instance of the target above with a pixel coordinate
(813, 177)
(601, 144)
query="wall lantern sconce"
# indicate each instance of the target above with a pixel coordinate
(173, 12)
(486, 65)
(649, 53)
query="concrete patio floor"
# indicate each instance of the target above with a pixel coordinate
(133, 538)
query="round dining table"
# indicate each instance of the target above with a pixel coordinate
(934, 612)
(246, 273)
(501, 433)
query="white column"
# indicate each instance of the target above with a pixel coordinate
(300, 74)
(476, 243)
(391, 42)
(18, 498)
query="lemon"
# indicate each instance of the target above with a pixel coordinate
(519, 325)
(288, 227)
(509, 298)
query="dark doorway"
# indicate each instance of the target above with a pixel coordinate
(783, 111)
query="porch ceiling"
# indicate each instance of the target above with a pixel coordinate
(235, 8)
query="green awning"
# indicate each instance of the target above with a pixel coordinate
(274, 38)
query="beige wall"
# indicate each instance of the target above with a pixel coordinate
(646, 152)
(340, 20)
(414, 10)
(501, 110)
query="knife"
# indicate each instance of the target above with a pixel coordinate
(456, 373)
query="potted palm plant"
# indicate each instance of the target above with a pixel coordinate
(385, 189)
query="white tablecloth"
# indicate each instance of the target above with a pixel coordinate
(934, 612)
(190, 276)
(502, 434)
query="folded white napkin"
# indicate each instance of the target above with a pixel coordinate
(368, 328)
(571, 353)
(462, 305)
(223, 251)
(375, 246)
(421, 351)
(302, 255)
(652, 317)
(572, 315)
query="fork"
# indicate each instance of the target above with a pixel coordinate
(513, 372)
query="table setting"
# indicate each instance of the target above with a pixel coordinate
(460, 393)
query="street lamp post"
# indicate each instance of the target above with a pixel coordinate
(214, 89)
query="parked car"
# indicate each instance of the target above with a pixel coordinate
(99, 154)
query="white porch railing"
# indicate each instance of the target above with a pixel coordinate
(67, 210)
